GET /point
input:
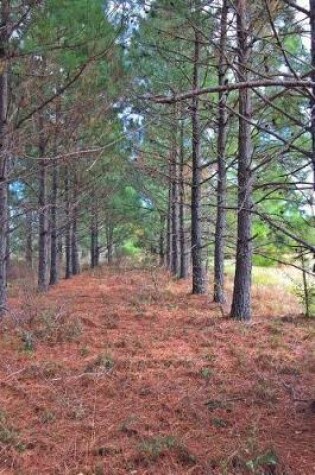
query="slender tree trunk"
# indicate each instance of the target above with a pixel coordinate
(54, 254)
(94, 249)
(198, 284)
(9, 231)
(306, 290)
(43, 236)
(161, 240)
(59, 249)
(110, 256)
(43, 262)
(168, 252)
(97, 245)
(110, 244)
(241, 305)
(174, 267)
(3, 230)
(74, 246)
(183, 273)
(220, 227)
(68, 228)
(29, 238)
(54, 268)
(3, 155)
(312, 25)
(74, 235)
(175, 256)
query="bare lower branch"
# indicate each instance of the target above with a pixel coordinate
(287, 84)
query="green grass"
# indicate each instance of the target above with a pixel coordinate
(286, 277)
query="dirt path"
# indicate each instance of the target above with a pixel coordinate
(123, 372)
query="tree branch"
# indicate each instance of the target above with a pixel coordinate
(287, 84)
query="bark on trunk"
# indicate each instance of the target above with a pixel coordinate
(74, 247)
(175, 256)
(168, 228)
(29, 238)
(60, 248)
(198, 284)
(312, 25)
(68, 228)
(183, 273)
(3, 156)
(74, 235)
(54, 252)
(3, 232)
(54, 268)
(110, 253)
(110, 244)
(220, 227)
(94, 249)
(43, 236)
(43, 229)
(161, 240)
(9, 231)
(241, 305)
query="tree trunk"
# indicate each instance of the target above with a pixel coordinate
(168, 252)
(110, 252)
(74, 246)
(175, 256)
(220, 227)
(241, 305)
(9, 231)
(43, 237)
(54, 252)
(43, 229)
(306, 289)
(29, 238)
(68, 228)
(97, 246)
(92, 247)
(198, 284)
(110, 244)
(74, 235)
(94, 240)
(312, 25)
(3, 156)
(54, 268)
(3, 230)
(183, 272)
(161, 240)
(59, 249)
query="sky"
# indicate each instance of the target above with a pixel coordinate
(305, 4)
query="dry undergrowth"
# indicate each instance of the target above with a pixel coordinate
(124, 372)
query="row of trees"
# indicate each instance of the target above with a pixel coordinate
(227, 92)
(66, 187)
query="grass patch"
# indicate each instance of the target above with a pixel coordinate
(48, 417)
(206, 373)
(153, 448)
(54, 326)
(102, 363)
(9, 436)
(265, 463)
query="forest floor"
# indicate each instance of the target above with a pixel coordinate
(122, 371)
